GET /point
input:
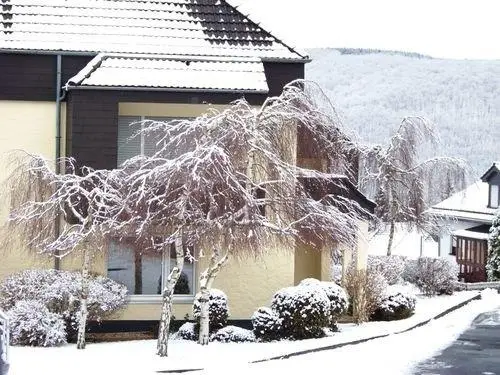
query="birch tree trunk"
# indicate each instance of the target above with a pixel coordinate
(391, 238)
(167, 295)
(82, 316)
(206, 280)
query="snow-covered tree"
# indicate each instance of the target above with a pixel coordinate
(402, 182)
(493, 263)
(228, 183)
(85, 201)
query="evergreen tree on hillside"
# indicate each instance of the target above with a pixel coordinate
(493, 264)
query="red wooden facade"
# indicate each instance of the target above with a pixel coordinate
(471, 258)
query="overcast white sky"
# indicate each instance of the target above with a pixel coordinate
(440, 28)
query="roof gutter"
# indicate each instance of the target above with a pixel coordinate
(303, 60)
(165, 89)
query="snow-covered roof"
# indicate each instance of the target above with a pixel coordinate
(470, 234)
(495, 168)
(468, 204)
(179, 27)
(135, 71)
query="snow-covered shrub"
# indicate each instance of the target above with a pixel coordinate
(304, 311)
(493, 263)
(433, 275)
(366, 290)
(410, 271)
(391, 267)
(396, 304)
(218, 309)
(59, 291)
(233, 334)
(267, 325)
(32, 324)
(339, 301)
(188, 331)
(182, 285)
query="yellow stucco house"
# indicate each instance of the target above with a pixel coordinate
(74, 75)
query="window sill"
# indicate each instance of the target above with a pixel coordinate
(137, 299)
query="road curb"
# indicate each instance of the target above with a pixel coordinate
(360, 341)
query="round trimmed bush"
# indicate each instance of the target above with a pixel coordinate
(32, 324)
(218, 309)
(396, 304)
(188, 331)
(267, 325)
(233, 334)
(304, 310)
(339, 301)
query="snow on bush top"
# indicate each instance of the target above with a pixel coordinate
(396, 296)
(305, 297)
(233, 334)
(187, 331)
(339, 301)
(59, 292)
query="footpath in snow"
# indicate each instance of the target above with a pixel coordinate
(137, 357)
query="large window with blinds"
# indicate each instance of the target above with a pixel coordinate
(130, 143)
(143, 272)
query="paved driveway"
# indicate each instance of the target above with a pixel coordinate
(476, 351)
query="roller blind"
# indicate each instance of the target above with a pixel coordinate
(128, 147)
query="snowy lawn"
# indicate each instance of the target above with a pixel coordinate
(137, 357)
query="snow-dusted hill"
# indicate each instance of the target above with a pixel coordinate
(374, 91)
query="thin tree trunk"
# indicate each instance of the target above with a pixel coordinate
(206, 280)
(391, 238)
(82, 318)
(168, 292)
(138, 273)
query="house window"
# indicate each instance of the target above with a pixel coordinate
(140, 144)
(494, 196)
(145, 272)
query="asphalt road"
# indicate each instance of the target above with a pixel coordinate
(476, 351)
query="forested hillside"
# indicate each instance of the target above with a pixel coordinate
(374, 90)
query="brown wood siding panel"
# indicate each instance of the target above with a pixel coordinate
(186, 97)
(471, 258)
(93, 124)
(280, 74)
(71, 65)
(33, 76)
(27, 77)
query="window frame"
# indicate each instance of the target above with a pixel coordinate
(157, 298)
(490, 196)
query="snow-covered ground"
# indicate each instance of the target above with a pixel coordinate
(137, 357)
(393, 355)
